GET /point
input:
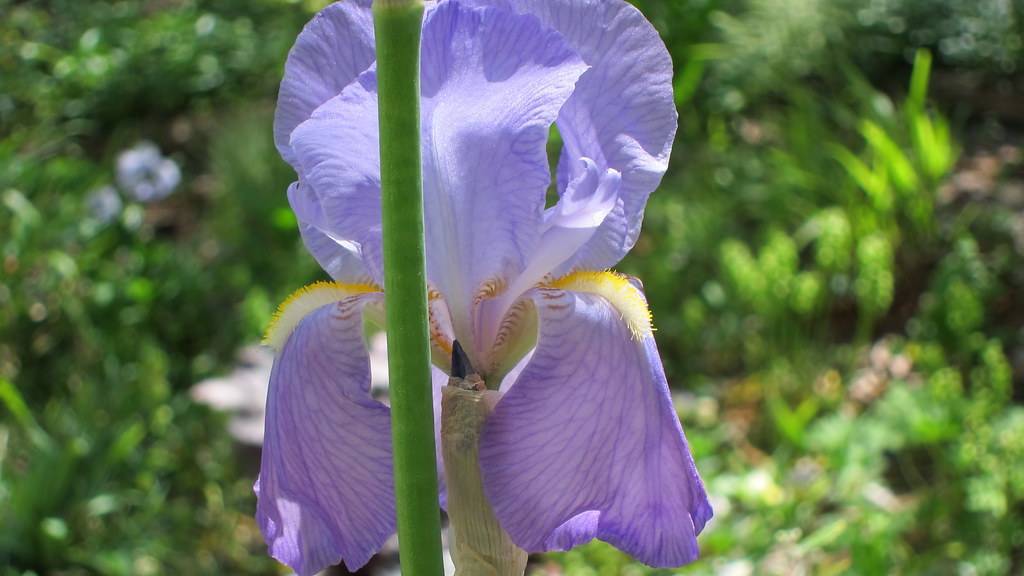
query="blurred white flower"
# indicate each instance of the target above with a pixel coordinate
(145, 174)
(104, 204)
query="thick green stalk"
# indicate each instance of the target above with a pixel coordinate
(397, 26)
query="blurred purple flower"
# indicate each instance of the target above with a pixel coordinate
(104, 204)
(584, 441)
(145, 174)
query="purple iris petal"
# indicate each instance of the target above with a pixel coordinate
(568, 226)
(493, 83)
(325, 491)
(338, 160)
(341, 259)
(520, 73)
(334, 48)
(621, 114)
(586, 442)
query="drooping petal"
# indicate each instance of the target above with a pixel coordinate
(493, 82)
(338, 160)
(586, 443)
(621, 114)
(332, 50)
(326, 492)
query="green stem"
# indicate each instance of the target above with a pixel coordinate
(397, 26)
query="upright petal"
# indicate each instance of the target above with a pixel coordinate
(586, 442)
(493, 82)
(333, 48)
(338, 160)
(341, 259)
(568, 226)
(622, 113)
(326, 492)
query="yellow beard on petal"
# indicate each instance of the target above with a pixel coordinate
(302, 302)
(617, 290)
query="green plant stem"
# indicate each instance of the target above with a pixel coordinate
(397, 26)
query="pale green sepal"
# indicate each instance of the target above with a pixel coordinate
(480, 547)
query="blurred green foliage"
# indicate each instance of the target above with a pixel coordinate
(108, 467)
(835, 263)
(837, 296)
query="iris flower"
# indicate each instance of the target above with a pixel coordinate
(583, 441)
